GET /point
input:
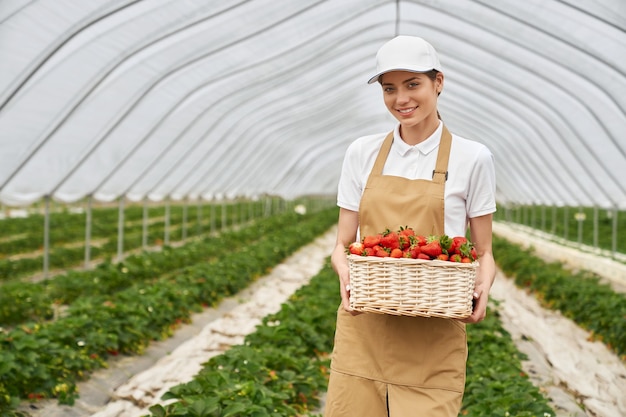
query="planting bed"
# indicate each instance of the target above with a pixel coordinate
(581, 377)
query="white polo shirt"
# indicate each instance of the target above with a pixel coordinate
(470, 189)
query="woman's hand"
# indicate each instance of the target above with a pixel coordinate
(346, 234)
(480, 229)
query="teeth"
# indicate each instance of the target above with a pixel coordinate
(406, 110)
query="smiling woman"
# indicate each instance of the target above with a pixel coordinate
(422, 176)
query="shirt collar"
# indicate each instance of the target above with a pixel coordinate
(424, 147)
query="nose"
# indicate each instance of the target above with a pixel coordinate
(402, 97)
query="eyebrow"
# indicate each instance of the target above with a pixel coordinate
(403, 82)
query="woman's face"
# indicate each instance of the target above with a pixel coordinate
(411, 97)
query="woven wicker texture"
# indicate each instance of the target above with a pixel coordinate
(411, 287)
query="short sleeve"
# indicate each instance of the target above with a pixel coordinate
(350, 186)
(481, 199)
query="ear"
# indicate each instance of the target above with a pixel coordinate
(439, 82)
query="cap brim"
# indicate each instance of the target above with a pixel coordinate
(375, 77)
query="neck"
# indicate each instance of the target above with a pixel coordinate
(415, 134)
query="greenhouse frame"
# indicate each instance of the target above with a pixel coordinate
(132, 127)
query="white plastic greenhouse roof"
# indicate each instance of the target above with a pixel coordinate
(205, 98)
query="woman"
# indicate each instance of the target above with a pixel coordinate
(422, 176)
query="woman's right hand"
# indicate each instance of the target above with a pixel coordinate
(346, 233)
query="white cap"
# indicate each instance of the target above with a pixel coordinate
(406, 53)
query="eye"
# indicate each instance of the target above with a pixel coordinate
(413, 85)
(388, 89)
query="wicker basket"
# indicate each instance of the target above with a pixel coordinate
(411, 287)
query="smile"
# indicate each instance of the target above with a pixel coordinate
(406, 111)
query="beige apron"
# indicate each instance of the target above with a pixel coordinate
(417, 364)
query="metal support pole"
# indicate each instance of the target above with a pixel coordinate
(213, 217)
(614, 237)
(144, 225)
(185, 220)
(224, 225)
(166, 238)
(46, 238)
(595, 226)
(199, 217)
(565, 223)
(88, 220)
(120, 230)
(581, 220)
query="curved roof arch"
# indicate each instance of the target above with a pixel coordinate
(194, 99)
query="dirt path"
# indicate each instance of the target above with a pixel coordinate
(562, 361)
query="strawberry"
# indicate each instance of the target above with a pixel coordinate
(396, 253)
(423, 256)
(380, 251)
(390, 240)
(407, 231)
(465, 250)
(457, 241)
(405, 241)
(371, 241)
(455, 258)
(432, 249)
(356, 248)
(407, 235)
(413, 251)
(368, 252)
(466, 260)
(421, 240)
(443, 257)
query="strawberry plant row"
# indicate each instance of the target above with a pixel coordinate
(579, 296)
(22, 301)
(588, 225)
(282, 367)
(73, 232)
(104, 219)
(46, 360)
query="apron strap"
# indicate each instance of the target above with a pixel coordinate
(440, 173)
(382, 155)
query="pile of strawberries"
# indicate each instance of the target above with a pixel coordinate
(404, 243)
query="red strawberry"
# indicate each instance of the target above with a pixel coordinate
(423, 256)
(421, 240)
(380, 251)
(432, 249)
(455, 258)
(407, 235)
(356, 248)
(465, 250)
(369, 252)
(466, 260)
(473, 254)
(371, 241)
(407, 231)
(413, 251)
(457, 241)
(396, 253)
(443, 257)
(390, 240)
(405, 241)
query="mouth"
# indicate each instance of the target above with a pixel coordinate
(407, 110)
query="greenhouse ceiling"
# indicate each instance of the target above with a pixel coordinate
(188, 99)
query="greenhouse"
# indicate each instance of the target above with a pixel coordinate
(171, 193)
